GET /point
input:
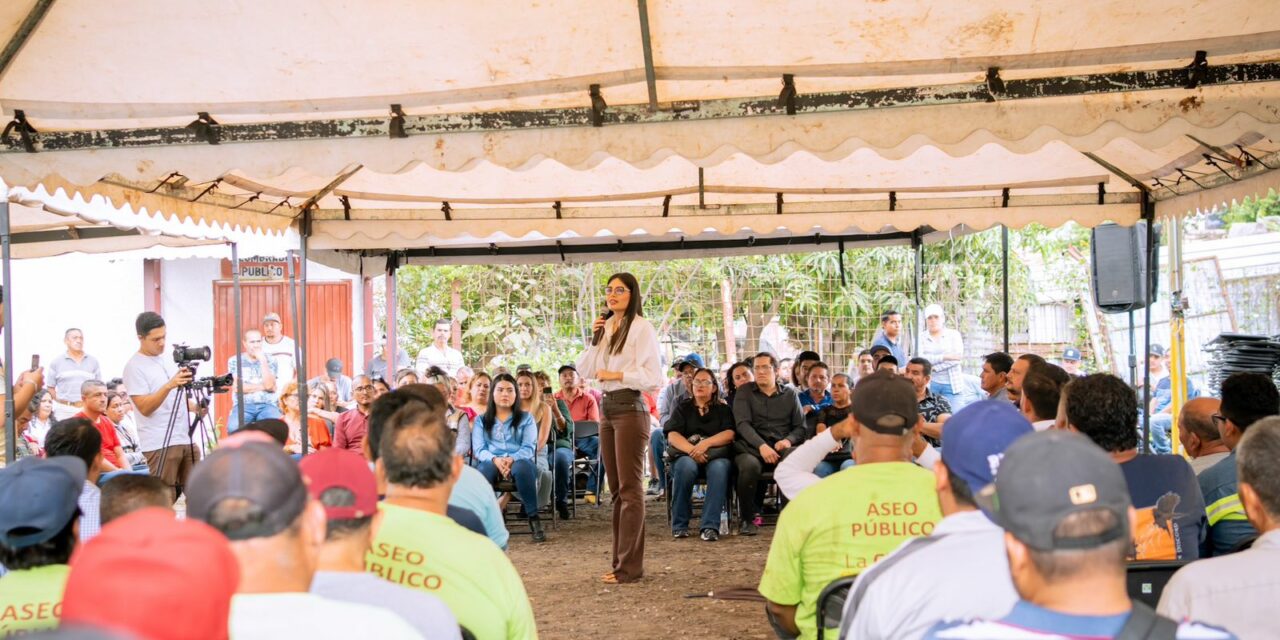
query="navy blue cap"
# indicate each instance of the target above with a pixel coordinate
(975, 438)
(38, 497)
(1071, 353)
(693, 359)
(1157, 351)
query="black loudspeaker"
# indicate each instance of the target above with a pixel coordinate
(1120, 276)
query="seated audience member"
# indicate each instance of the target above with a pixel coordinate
(342, 482)
(1026, 363)
(739, 373)
(1246, 398)
(1038, 400)
(348, 433)
(933, 407)
(1171, 522)
(768, 421)
(150, 575)
(582, 408)
(671, 395)
(26, 445)
(1238, 591)
(995, 375)
(1199, 435)
(471, 503)
(276, 428)
(38, 531)
(1071, 360)
(699, 438)
(504, 441)
(561, 445)
(406, 377)
(380, 387)
(93, 407)
(1160, 406)
(418, 546)
(256, 497)
(800, 369)
(888, 363)
(843, 524)
(1066, 514)
(815, 394)
(317, 431)
(842, 456)
(125, 494)
(117, 408)
(862, 366)
(878, 352)
(961, 569)
(78, 438)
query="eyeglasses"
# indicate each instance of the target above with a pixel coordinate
(617, 291)
(703, 383)
(1218, 420)
(367, 387)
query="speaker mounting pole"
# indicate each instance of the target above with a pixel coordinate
(1149, 215)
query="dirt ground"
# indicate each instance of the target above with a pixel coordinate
(562, 577)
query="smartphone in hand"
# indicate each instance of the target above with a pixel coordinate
(35, 362)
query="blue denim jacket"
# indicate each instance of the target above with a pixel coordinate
(503, 441)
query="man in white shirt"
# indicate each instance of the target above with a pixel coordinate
(255, 495)
(280, 348)
(959, 570)
(68, 371)
(1239, 591)
(153, 379)
(439, 353)
(1199, 435)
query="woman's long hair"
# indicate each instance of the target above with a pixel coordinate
(490, 416)
(633, 309)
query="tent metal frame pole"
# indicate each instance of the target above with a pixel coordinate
(1004, 282)
(301, 336)
(297, 351)
(10, 416)
(1149, 216)
(24, 32)
(646, 42)
(235, 288)
(391, 350)
(917, 280)
(1176, 78)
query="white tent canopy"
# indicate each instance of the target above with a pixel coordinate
(466, 133)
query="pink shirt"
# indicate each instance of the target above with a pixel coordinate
(350, 430)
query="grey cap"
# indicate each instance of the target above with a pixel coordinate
(1046, 477)
(271, 317)
(259, 474)
(38, 497)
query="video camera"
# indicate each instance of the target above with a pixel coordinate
(188, 357)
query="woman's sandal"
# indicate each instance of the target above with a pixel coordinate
(609, 578)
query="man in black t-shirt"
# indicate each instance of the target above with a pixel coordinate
(831, 415)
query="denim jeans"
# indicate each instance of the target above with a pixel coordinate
(958, 397)
(1161, 426)
(825, 468)
(564, 474)
(658, 449)
(590, 445)
(253, 411)
(525, 475)
(684, 472)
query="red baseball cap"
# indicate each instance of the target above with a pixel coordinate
(332, 468)
(153, 577)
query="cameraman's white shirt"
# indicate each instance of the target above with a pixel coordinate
(143, 376)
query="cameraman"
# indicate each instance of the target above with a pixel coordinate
(152, 377)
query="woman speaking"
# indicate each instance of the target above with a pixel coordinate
(623, 358)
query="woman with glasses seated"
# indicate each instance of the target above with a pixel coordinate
(503, 441)
(699, 434)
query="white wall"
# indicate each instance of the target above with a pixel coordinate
(187, 302)
(99, 295)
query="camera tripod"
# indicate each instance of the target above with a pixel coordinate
(187, 395)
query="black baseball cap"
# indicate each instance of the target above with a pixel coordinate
(886, 403)
(566, 367)
(256, 472)
(1046, 477)
(38, 497)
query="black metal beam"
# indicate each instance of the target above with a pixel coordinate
(808, 103)
(71, 233)
(646, 42)
(20, 37)
(638, 247)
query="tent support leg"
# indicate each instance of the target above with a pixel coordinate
(1149, 215)
(917, 246)
(235, 287)
(1004, 283)
(297, 349)
(10, 416)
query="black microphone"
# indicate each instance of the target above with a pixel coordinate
(599, 333)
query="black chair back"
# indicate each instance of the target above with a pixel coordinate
(585, 428)
(831, 603)
(1146, 580)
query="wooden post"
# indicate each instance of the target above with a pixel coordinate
(455, 304)
(726, 306)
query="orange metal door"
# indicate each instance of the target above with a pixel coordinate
(329, 324)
